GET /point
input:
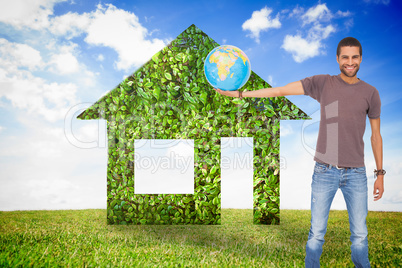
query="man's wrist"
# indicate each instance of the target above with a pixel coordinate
(378, 172)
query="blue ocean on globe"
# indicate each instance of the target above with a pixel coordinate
(227, 67)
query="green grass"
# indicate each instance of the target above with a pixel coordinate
(82, 238)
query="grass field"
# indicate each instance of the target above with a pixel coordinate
(82, 238)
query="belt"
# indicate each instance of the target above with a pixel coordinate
(338, 167)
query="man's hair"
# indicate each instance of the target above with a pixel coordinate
(349, 42)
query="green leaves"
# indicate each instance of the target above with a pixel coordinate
(179, 57)
(157, 92)
(148, 85)
(168, 76)
(203, 97)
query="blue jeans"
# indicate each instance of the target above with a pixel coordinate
(353, 184)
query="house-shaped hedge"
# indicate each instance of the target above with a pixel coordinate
(169, 98)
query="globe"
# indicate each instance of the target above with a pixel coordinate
(227, 68)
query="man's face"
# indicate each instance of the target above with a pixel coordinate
(349, 61)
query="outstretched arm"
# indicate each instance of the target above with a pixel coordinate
(294, 88)
(376, 144)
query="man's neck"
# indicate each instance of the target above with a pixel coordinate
(349, 80)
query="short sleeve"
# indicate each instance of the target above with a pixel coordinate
(374, 110)
(314, 85)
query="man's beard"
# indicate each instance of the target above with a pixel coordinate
(343, 70)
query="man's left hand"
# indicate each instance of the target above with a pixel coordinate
(378, 187)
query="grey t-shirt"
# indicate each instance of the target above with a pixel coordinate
(343, 118)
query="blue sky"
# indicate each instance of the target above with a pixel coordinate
(60, 56)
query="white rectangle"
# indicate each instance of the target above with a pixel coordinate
(164, 166)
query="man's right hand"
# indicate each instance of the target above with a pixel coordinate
(234, 93)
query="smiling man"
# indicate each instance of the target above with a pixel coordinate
(345, 102)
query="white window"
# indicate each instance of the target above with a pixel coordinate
(237, 172)
(164, 166)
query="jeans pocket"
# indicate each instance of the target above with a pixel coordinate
(360, 170)
(320, 168)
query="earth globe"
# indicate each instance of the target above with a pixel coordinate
(227, 67)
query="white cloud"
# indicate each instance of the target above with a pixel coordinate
(22, 55)
(301, 48)
(100, 57)
(348, 24)
(37, 96)
(121, 31)
(70, 25)
(65, 61)
(296, 11)
(29, 14)
(343, 14)
(28, 92)
(317, 32)
(89, 78)
(318, 13)
(261, 21)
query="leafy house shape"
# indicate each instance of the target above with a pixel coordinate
(169, 98)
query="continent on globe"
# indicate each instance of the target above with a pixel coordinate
(225, 58)
(227, 67)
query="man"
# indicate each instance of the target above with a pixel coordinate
(345, 101)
